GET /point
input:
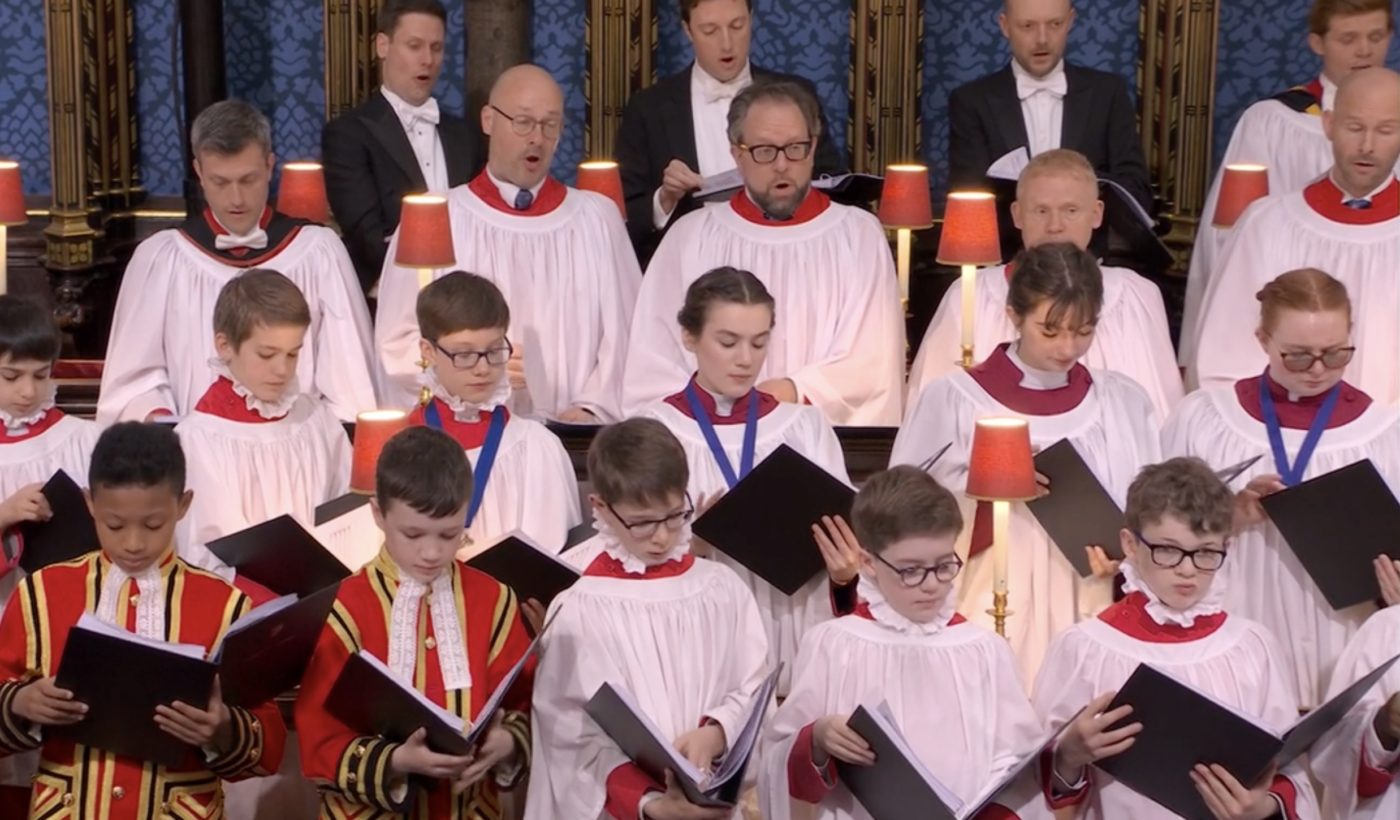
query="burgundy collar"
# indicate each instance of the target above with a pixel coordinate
(812, 207)
(469, 434)
(1130, 617)
(606, 566)
(38, 428)
(200, 229)
(1315, 89)
(1299, 415)
(551, 196)
(766, 405)
(220, 400)
(1001, 378)
(862, 610)
(1325, 198)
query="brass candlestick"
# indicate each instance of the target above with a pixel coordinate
(425, 395)
(999, 612)
(966, 362)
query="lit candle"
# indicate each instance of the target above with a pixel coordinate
(969, 303)
(1001, 538)
(425, 277)
(903, 239)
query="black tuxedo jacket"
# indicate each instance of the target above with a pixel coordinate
(658, 126)
(370, 166)
(985, 123)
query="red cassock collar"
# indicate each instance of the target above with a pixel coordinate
(1130, 617)
(737, 415)
(469, 434)
(1001, 378)
(220, 400)
(812, 207)
(1324, 197)
(1299, 415)
(862, 610)
(550, 197)
(38, 428)
(606, 566)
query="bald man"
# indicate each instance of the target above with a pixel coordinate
(1346, 223)
(561, 257)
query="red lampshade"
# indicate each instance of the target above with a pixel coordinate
(1241, 185)
(1001, 467)
(602, 176)
(970, 230)
(302, 192)
(904, 199)
(373, 429)
(425, 233)
(11, 195)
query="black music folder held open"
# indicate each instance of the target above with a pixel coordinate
(1337, 524)
(69, 534)
(521, 564)
(1078, 512)
(265, 653)
(282, 556)
(123, 678)
(765, 521)
(1182, 727)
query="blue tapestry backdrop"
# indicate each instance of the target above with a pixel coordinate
(24, 90)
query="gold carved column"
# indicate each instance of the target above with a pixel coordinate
(886, 81)
(620, 42)
(351, 68)
(1176, 81)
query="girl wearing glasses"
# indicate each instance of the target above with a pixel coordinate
(727, 425)
(1054, 299)
(1304, 421)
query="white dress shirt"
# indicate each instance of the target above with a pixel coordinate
(509, 190)
(1329, 92)
(709, 108)
(420, 125)
(1042, 105)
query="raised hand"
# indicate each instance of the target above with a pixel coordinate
(839, 547)
(1101, 564)
(27, 504)
(1248, 511)
(1088, 738)
(1388, 576)
(832, 737)
(677, 181)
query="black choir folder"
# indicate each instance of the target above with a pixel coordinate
(765, 522)
(898, 782)
(272, 645)
(370, 698)
(524, 566)
(1337, 524)
(1182, 727)
(1078, 512)
(69, 534)
(616, 712)
(282, 556)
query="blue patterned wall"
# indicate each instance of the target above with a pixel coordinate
(24, 118)
(159, 131)
(962, 42)
(1247, 72)
(556, 44)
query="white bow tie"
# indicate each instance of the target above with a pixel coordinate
(255, 240)
(427, 112)
(720, 92)
(1054, 83)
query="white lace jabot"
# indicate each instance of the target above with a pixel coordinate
(18, 426)
(884, 613)
(631, 564)
(1211, 604)
(448, 641)
(269, 410)
(463, 410)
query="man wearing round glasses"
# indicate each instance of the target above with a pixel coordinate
(559, 255)
(839, 342)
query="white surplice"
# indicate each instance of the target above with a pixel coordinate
(163, 328)
(840, 330)
(688, 647)
(1337, 757)
(1131, 336)
(804, 429)
(1115, 431)
(570, 277)
(1281, 233)
(1263, 578)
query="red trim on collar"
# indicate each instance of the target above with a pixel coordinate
(812, 207)
(862, 610)
(1324, 197)
(244, 260)
(1010, 268)
(469, 434)
(766, 405)
(51, 417)
(1299, 415)
(1001, 378)
(1315, 88)
(606, 566)
(1130, 617)
(550, 197)
(220, 400)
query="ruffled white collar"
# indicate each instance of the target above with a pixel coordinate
(270, 410)
(884, 612)
(18, 426)
(1212, 604)
(463, 410)
(631, 564)
(1033, 378)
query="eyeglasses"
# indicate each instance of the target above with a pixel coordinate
(1170, 557)
(916, 576)
(468, 359)
(646, 529)
(764, 154)
(1302, 361)
(524, 126)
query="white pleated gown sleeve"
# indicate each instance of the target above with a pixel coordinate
(1132, 336)
(1337, 757)
(163, 327)
(805, 430)
(244, 474)
(687, 647)
(1115, 431)
(1282, 233)
(570, 277)
(1238, 665)
(840, 329)
(1264, 581)
(956, 695)
(532, 488)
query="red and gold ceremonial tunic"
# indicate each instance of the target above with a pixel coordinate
(352, 769)
(77, 781)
